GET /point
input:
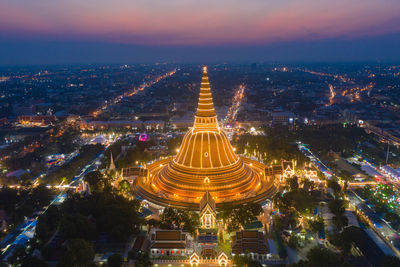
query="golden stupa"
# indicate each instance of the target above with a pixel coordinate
(205, 162)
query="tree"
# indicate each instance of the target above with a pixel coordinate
(317, 224)
(322, 257)
(335, 186)
(293, 183)
(390, 261)
(338, 208)
(294, 241)
(115, 260)
(111, 212)
(77, 226)
(345, 240)
(245, 260)
(143, 260)
(33, 262)
(178, 218)
(238, 216)
(79, 253)
(340, 221)
(308, 185)
(96, 181)
(124, 187)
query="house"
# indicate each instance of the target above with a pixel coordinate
(170, 243)
(252, 242)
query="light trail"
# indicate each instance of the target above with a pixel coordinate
(132, 92)
(332, 96)
(231, 115)
(352, 93)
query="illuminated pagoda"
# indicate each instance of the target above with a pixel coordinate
(206, 162)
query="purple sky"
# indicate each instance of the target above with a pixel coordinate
(27, 26)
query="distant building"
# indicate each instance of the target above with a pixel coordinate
(130, 174)
(249, 241)
(169, 243)
(72, 119)
(101, 125)
(4, 122)
(181, 123)
(153, 125)
(43, 120)
(23, 109)
(136, 125)
(282, 117)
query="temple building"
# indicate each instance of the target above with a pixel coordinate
(208, 211)
(205, 162)
(252, 242)
(170, 243)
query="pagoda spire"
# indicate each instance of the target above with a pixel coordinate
(205, 118)
(112, 164)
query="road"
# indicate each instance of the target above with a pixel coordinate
(26, 230)
(230, 118)
(314, 159)
(132, 92)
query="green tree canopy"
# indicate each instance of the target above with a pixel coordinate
(115, 260)
(79, 253)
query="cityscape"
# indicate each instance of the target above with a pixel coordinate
(209, 158)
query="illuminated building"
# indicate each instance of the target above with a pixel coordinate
(223, 259)
(252, 242)
(194, 259)
(169, 243)
(208, 211)
(34, 120)
(112, 164)
(205, 162)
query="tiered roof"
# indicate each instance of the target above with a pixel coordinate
(249, 241)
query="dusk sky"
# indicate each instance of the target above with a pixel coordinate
(94, 31)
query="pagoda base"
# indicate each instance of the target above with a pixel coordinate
(142, 187)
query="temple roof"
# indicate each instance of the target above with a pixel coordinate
(207, 199)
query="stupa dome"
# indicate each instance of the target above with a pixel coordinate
(206, 162)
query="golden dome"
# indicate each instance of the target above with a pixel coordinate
(206, 145)
(205, 162)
